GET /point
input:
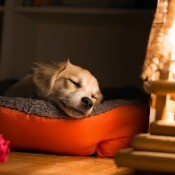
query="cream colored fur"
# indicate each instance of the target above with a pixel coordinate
(74, 89)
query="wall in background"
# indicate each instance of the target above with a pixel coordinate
(112, 48)
(110, 43)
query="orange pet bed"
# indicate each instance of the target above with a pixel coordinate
(38, 125)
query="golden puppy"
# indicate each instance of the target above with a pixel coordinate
(73, 89)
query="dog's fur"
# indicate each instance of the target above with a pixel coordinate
(73, 89)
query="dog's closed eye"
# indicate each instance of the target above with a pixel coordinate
(94, 97)
(76, 83)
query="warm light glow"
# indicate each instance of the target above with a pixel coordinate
(169, 38)
(168, 48)
(170, 109)
(170, 117)
(160, 58)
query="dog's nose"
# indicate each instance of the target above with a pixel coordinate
(87, 102)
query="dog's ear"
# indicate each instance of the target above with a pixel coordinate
(45, 76)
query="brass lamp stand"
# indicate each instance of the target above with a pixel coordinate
(163, 93)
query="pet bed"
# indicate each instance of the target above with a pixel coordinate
(38, 125)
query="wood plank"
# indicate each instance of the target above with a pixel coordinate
(21, 163)
(83, 10)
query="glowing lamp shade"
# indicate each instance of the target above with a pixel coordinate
(159, 65)
(160, 57)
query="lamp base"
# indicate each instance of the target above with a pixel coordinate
(149, 152)
(154, 151)
(145, 160)
(154, 143)
(162, 127)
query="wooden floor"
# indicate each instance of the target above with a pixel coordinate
(43, 164)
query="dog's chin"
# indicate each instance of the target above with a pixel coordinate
(73, 112)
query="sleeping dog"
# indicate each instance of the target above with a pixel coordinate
(74, 89)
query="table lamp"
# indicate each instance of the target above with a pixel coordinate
(155, 151)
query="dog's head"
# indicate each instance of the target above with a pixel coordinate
(73, 89)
